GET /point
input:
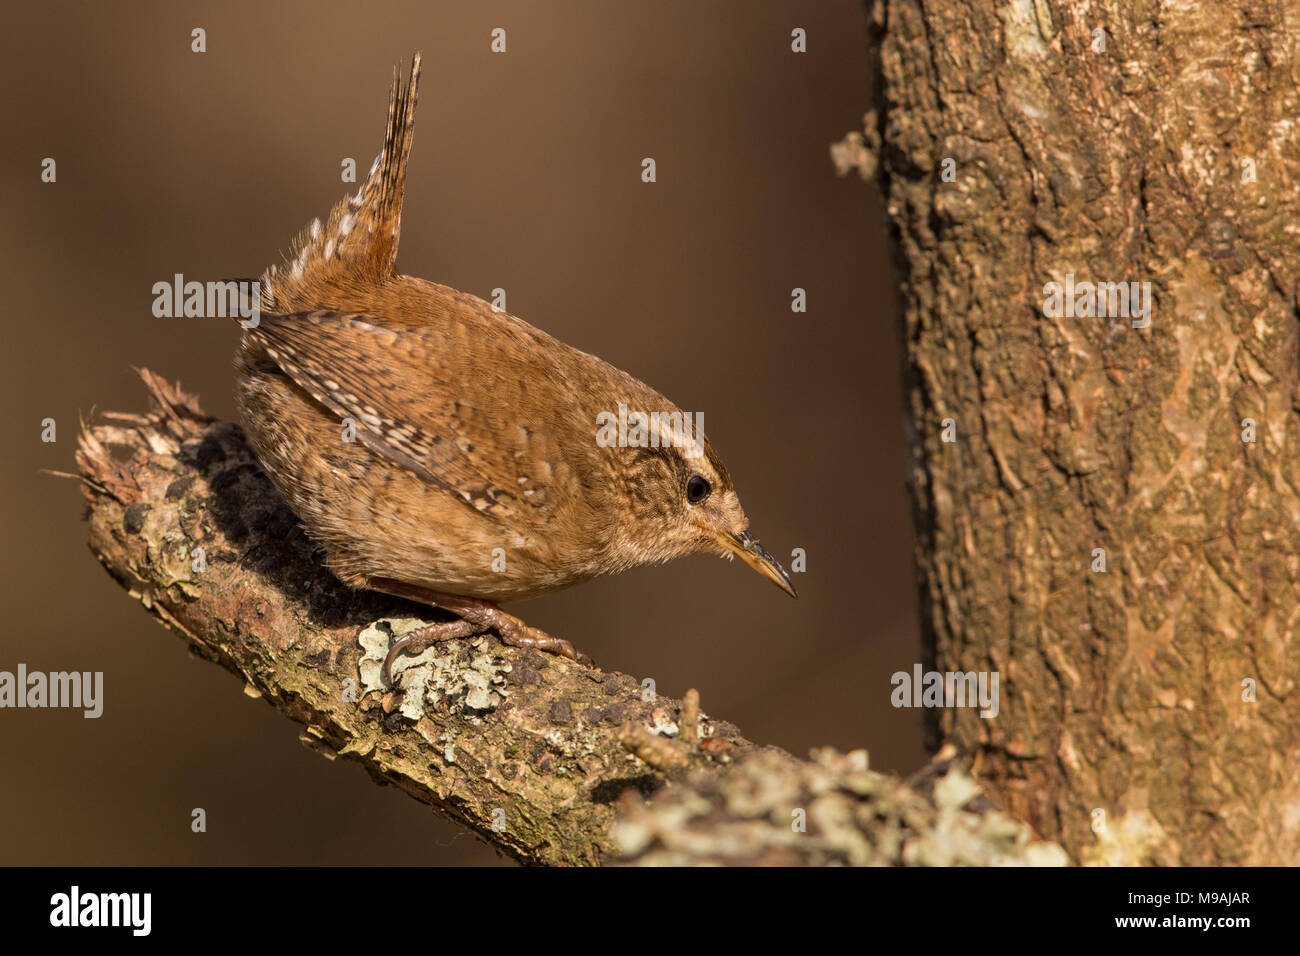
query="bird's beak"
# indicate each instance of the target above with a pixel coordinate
(746, 547)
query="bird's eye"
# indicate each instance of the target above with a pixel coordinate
(697, 489)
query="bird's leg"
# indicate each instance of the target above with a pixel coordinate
(518, 634)
(476, 616)
(512, 630)
(423, 637)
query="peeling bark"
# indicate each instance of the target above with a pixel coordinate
(547, 760)
(1161, 150)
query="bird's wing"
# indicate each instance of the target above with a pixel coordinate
(473, 436)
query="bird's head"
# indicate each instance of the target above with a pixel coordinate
(680, 500)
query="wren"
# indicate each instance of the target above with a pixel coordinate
(442, 451)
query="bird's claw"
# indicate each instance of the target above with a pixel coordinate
(525, 636)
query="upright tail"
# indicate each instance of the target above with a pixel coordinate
(358, 241)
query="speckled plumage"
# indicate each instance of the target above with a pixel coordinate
(475, 432)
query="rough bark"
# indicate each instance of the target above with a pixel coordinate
(545, 759)
(1125, 691)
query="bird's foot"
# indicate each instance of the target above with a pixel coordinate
(477, 615)
(518, 634)
(514, 631)
(421, 638)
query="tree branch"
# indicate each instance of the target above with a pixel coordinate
(547, 760)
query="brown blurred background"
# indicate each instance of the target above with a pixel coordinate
(526, 175)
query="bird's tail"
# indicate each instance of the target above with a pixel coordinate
(357, 243)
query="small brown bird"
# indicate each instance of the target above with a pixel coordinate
(439, 450)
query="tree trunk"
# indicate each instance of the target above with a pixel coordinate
(1164, 151)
